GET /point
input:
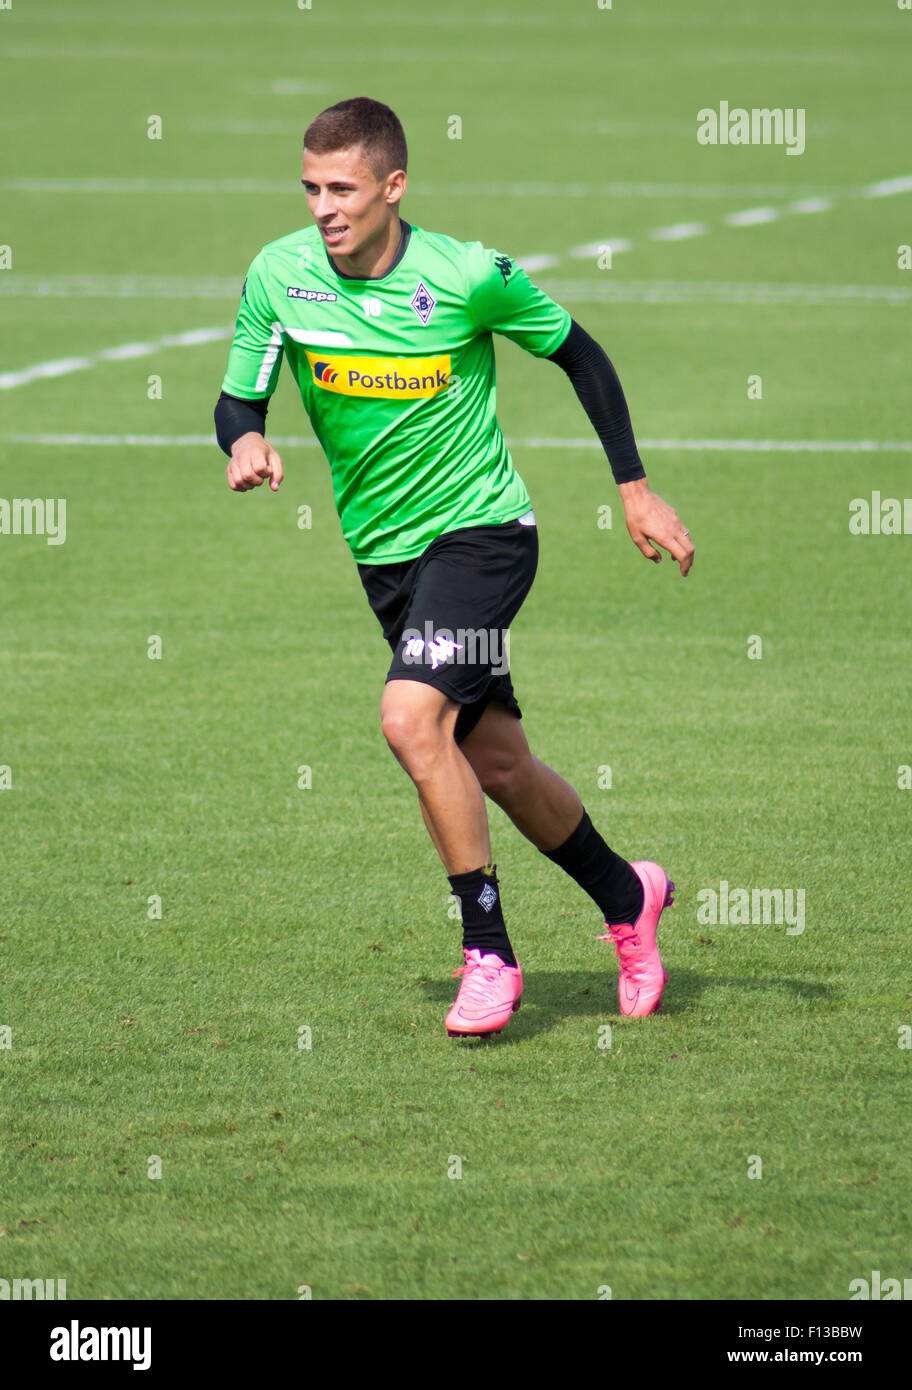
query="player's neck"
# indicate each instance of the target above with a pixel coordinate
(374, 260)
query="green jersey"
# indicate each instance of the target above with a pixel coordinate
(397, 375)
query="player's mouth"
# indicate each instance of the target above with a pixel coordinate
(333, 234)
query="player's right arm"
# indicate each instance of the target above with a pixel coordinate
(250, 380)
(252, 461)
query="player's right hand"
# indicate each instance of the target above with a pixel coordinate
(650, 519)
(253, 460)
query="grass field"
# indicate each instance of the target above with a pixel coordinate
(129, 779)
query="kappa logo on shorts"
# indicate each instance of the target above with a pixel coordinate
(439, 649)
(320, 296)
(467, 646)
(382, 378)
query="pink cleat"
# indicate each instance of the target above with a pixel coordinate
(490, 992)
(642, 975)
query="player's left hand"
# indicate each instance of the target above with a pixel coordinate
(649, 520)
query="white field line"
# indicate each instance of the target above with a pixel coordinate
(653, 291)
(566, 292)
(64, 365)
(607, 290)
(28, 286)
(595, 248)
(748, 217)
(16, 286)
(752, 217)
(531, 264)
(493, 188)
(888, 187)
(728, 446)
(115, 186)
(680, 231)
(802, 205)
(736, 446)
(118, 186)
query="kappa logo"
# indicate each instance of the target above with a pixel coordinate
(423, 302)
(319, 296)
(439, 649)
(505, 266)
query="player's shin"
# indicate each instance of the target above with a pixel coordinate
(483, 926)
(605, 876)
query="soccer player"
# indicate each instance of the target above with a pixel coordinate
(387, 330)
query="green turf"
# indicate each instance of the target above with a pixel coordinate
(326, 908)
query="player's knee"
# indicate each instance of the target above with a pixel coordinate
(412, 735)
(503, 778)
(394, 726)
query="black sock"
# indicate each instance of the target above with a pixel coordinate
(605, 876)
(482, 916)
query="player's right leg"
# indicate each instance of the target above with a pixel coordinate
(445, 616)
(418, 722)
(547, 810)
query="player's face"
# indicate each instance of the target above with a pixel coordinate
(350, 206)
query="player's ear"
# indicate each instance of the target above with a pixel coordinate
(395, 186)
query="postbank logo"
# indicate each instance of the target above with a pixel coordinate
(382, 378)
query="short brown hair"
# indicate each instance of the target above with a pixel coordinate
(361, 121)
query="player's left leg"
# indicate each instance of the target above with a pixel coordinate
(535, 797)
(548, 812)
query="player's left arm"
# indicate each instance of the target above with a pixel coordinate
(650, 521)
(502, 299)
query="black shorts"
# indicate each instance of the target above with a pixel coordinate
(446, 614)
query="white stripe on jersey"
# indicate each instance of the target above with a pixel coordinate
(315, 337)
(269, 357)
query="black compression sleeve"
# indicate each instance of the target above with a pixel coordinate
(596, 383)
(234, 417)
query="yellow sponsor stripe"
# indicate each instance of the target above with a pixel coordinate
(382, 378)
